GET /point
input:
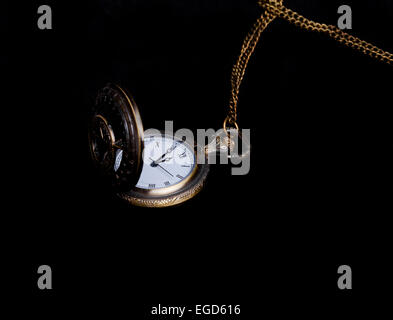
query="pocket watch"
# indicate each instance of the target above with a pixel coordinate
(160, 170)
(151, 171)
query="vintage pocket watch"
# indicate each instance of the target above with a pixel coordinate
(151, 171)
(159, 170)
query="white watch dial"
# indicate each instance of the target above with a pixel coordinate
(166, 162)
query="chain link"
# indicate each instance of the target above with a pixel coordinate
(272, 10)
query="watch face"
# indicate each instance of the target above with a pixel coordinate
(167, 161)
(170, 174)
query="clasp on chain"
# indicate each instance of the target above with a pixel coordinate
(229, 120)
(229, 141)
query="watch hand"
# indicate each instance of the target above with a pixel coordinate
(154, 165)
(161, 159)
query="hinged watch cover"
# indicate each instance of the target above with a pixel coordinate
(116, 137)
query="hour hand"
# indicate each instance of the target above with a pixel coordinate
(155, 165)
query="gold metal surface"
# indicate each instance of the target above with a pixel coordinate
(168, 201)
(138, 123)
(166, 197)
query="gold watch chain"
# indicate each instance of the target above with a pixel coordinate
(272, 10)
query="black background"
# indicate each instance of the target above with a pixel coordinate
(318, 195)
